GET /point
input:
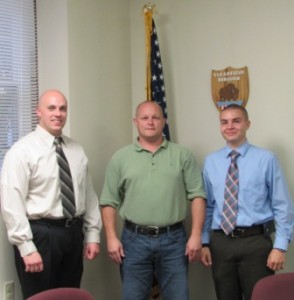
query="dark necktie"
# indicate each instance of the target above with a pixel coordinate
(229, 216)
(66, 185)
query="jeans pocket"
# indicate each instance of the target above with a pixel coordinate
(128, 236)
(178, 236)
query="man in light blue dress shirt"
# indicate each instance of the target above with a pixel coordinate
(249, 252)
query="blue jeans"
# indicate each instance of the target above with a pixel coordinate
(163, 256)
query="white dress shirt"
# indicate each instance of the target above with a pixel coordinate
(30, 188)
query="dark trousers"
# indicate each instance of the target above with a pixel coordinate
(61, 249)
(238, 263)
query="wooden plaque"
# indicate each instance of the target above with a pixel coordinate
(230, 85)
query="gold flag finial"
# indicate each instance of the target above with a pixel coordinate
(149, 7)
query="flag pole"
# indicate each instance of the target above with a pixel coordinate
(148, 12)
(155, 88)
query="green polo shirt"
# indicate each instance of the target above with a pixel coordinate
(152, 188)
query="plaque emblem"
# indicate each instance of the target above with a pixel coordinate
(230, 86)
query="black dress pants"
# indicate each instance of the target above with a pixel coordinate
(238, 263)
(61, 249)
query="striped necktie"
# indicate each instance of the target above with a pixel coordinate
(66, 185)
(230, 207)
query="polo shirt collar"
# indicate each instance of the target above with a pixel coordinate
(139, 148)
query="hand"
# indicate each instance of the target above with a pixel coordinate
(276, 260)
(33, 262)
(193, 248)
(206, 257)
(91, 250)
(115, 250)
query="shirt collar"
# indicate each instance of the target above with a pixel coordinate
(242, 149)
(47, 137)
(139, 148)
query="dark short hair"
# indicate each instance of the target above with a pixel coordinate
(239, 107)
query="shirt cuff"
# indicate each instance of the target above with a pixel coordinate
(92, 237)
(281, 243)
(26, 248)
(205, 237)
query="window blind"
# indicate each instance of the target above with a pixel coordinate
(18, 71)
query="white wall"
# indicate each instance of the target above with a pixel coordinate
(93, 50)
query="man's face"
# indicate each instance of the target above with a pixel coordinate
(52, 112)
(149, 121)
(233, 126)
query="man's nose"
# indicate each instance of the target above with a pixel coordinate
(230, 125)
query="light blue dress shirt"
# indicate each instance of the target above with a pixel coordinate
(263, 192)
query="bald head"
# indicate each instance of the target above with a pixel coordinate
(49, 94)
(149, 103)
(52, 111)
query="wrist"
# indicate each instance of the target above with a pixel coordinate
(281, 250)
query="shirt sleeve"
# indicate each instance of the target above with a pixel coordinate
(14, 188)
(112, 193)
(282, 205)
(92, 216)
(193, 178)
(210, 203)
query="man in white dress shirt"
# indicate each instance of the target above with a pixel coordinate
(49, 247)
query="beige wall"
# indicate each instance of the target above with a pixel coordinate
(93, 50)
(53, 61)
(100, 93)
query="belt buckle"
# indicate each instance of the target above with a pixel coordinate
(236, 233)
(69, 222)
(155, 229)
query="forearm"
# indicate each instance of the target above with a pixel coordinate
(198, 216)
(114, 246)
(109, 221)
(193, 248)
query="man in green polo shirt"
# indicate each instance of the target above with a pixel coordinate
(150, 184)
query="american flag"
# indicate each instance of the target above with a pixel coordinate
(157, 79)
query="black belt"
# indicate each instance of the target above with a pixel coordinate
(58, 222)
(152, 231)
(240, 232)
